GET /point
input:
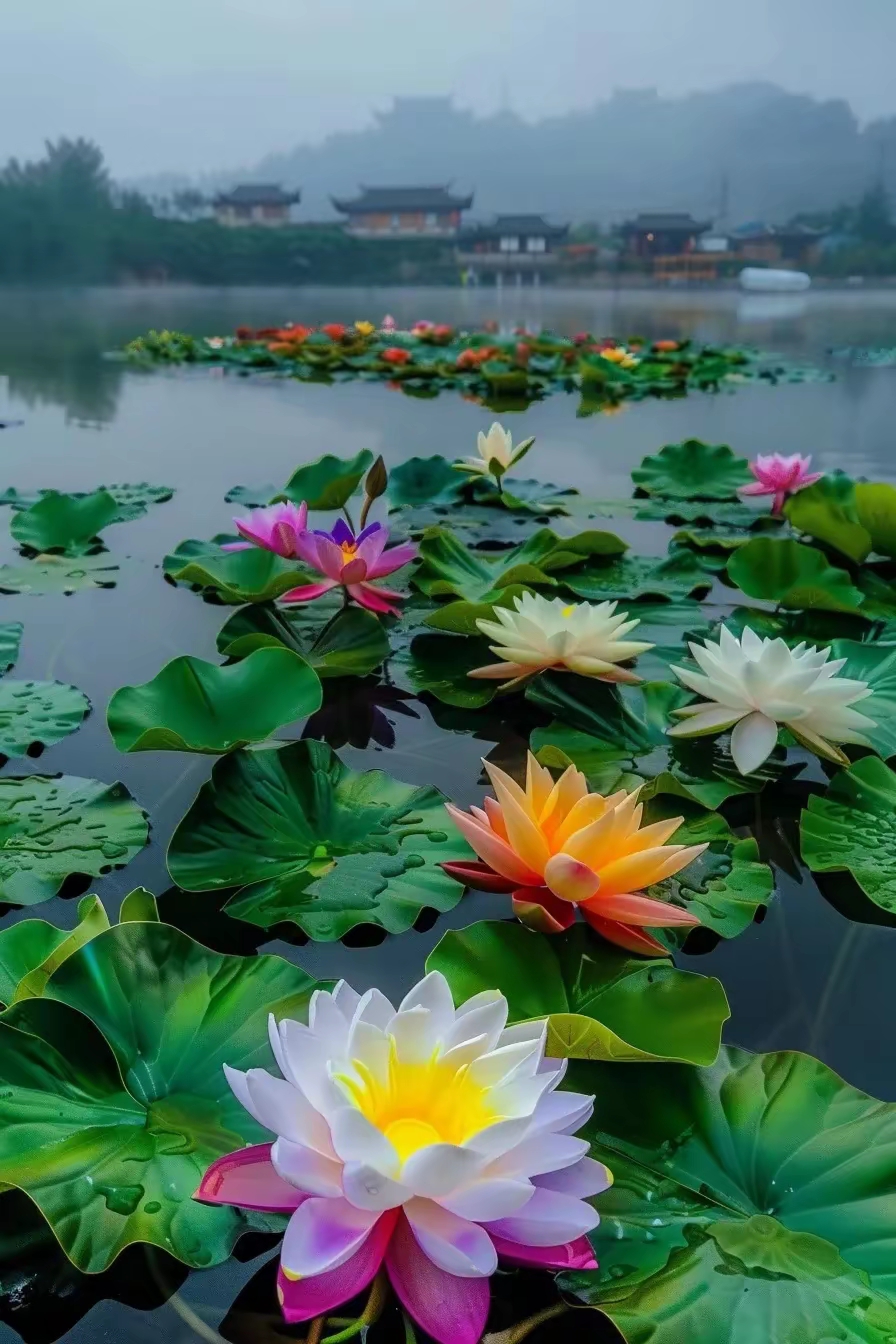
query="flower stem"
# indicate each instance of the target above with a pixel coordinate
(375, 1303)
(410, 1334)
(365, 509)
(315, 1330)
(523, 1329)
(348, 518)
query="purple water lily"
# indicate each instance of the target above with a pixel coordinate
(276, 528)
(352, 561)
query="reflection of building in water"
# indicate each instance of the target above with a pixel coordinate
(256, 203)
(402, 212)
(523, 247)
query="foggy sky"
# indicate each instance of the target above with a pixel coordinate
(194, 85)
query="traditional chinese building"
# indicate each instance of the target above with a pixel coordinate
(255, 203)
(795, 245)
(661, 235)
(388, 212)
(519, 246)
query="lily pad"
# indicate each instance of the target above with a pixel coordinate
(707, 513)
(10, 639)
(254, 575)
(753, 1201)
(600, 1002)
(192, 705)
(113, 1099)
(853, 828)
(59, 574)
(618, 738)
(69, 523)
(876, 508)
(354, 644)
(692, 470)
(448, 568)
(422, 481)
(875, 664)
(54, 826)
(38, 713)
(311, 842)
(439, 664)
(677, 576)
(328, 483)
(827, 511)
(32, 950)
(250, 496)
(792, 574)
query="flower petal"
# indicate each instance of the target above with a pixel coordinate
(302, 1299)
(492, 849)
(753, 741)
(439, 1169)
(478, 876)
(308, 592)
(247, 1179)
(452, 1243)
(583, 1179)
(578, 1254)
(487, 1199)
(307, 1170)
(570, 879)
(549, 1219)
(323, 1234)
(452, 1310)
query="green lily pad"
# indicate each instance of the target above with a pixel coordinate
(600, 1002)
(852, 828)
(36, 713)
(113, 1099)
(827, 511)
(250, 496)
(692, 470)
(254, 575)
(192, 705)
(59, 574)
(69, 523)
(753, 1201)
(328, 483)
(618, 738)
(460, 618)
(10, 639)
(876, 508)
(707, 513)
(354, 644)
(54, 826)
(793, 575)
(32, 950)
(439, 664)
(138, 495)
(311, 842)
(448, 568)
(675, 577)
(875, 664)
(422, 481)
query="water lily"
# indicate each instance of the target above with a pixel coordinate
(215, 342)
(780, 476)
(665, 347)
(555, 847)
(428, 1141)
(276, 528)
(388, 323)
(618, 354)
(496, 453)
(754, 685)
(365, 328)
(396, 355)
(352, 561)
(335, 330)
(540, 632)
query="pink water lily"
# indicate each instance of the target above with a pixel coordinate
(352, 561)
(276, 528)
(780, 476)
(429, 1141)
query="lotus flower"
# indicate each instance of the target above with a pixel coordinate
(396, 355)
(665, 346)
(617, 354)
(389, 323)
(756, 684)
(430, 1140)
(496, 453)
(276, 528)
(335, 330)
(215, 342)
(780, 476)
(352, 561)
(557, 846)
(540, 632)
(365, 328)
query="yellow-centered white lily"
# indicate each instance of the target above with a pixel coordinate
(497, 453)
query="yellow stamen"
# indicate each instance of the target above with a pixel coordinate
(568, 611)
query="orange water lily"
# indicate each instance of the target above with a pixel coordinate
(555, 846)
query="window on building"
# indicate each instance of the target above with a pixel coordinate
(509, 244)
(536, 245)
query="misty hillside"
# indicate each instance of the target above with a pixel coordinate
(767, 152)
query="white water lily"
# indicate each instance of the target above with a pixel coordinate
(431, 1139)
(540, 632)
(496, 453)
(754, 685)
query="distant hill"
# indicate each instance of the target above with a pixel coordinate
(749, 151)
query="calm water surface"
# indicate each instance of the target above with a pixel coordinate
(804, 978)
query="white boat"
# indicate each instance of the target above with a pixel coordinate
(758, 280)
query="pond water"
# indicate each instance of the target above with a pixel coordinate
(805, 977)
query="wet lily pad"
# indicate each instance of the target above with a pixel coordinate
(38, 713)
(10, 639)
(250, 496)
(68, 523)
(32, 950)
(54, 826)
(192, 705)
(673, 578)
(827, 511)
(852, 828)
(254, 575)
(113, 1099)
(439, 664)
(693, 470)
(59, 574)
(311, 842)
(354, 644)
(792, 574)
(448, 568)
(600, 1002)
(329, 482)
(754, 1200)
(423, 481)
